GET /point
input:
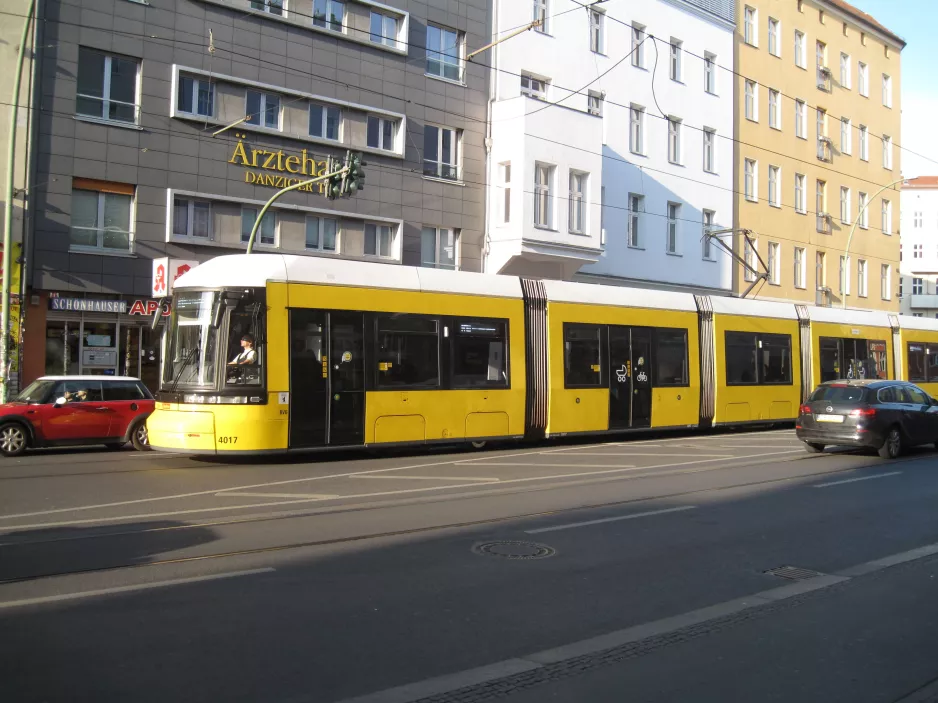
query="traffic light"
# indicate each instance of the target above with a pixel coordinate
(355, 178)
(334, 186)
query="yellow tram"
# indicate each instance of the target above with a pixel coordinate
(271, 353)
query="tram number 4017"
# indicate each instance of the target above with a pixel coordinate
(227, 440)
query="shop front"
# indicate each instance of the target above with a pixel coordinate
(110, 337)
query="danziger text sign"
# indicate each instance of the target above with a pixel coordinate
(302, 165)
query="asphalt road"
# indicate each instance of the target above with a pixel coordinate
(571, 572)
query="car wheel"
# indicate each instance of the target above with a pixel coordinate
(892, 447)
(813, 447)
(13, 439)
(140, 437)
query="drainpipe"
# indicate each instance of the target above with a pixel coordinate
(8, 210)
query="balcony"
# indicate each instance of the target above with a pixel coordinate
(824, 223)
(824, 80)
(923, 302)
(825, 149)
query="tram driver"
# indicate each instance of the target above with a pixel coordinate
(248, 355)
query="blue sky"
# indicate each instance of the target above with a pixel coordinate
(914, 21)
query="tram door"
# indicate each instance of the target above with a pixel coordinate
(327, 378)
(630, 377)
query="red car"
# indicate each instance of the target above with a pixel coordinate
(58, 411)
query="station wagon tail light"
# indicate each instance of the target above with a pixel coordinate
(863, 412)
(805, 410)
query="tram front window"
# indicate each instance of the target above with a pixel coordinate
(193, 341)
(245, 351)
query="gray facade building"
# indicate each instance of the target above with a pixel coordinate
(164, 125)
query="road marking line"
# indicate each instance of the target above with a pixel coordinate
(130, 589)
(571, 525)
(246, 494)
(542, 465)
(715, 456)
(487, 479)
(854, 480)
(759, 446)
(170, 513)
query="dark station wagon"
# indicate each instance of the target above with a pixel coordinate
(883, 415)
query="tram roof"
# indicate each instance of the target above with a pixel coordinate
(618, 296)
(926, 324)
(840, 316)
(257, 270)
(725, 305)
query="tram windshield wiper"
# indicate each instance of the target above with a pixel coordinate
(182, 368)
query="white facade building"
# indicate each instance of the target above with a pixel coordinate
(602, 167)
(918, 268)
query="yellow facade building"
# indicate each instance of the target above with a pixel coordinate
(817, 124)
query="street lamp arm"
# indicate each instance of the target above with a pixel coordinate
(844, 273)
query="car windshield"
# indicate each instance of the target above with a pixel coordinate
(36, 392)
(839, 394)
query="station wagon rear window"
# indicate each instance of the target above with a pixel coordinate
(839, 394)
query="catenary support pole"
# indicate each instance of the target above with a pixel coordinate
(8, 210)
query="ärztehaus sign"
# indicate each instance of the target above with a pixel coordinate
(303, 165)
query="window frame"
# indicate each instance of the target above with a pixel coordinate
(864, 142)
(437, 248)
(774, 35)
(674, 141)
(262, 110)
(886, 214)
(456, 140)
(381, 384)
(656, 334)
(801, 43)
(542, 12)
(751, 100)
(325, 110)
(676, 60)
(710, 74)
(259, 242)
(529, 89)
(637, 130)
(751, 180)
(451, 348)
(863, 213)
(773, 263)
(845, 78)
(638, 35)
(801, 195)
(197, 82)
(863, 79)
(800, 266)
(707, 221)
(597, 26)
(577, 202)
(673, 229)
(383, 39)
(100, 230)
(325, 21)
(801, 119)
(191, 204)
(105, 97)
(442, 55)
(709, 150)
(845, 209)
(846, 136)
(379, 229)
(887, 152)
(321, 234)
(635, 220)
(775, 109)
(594, 103)
(885, 282)
(544, 190)
(862, 282)
(602, 342)
(750, 26)
(887, 90)
(757, 338)
(775, 186)
(382, 121)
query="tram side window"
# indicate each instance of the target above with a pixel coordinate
(774, 354)
(916, 355)
(670, 357)
(480, 353)
(582, 356)
(741, 359)
(245, 351)
(407, 351)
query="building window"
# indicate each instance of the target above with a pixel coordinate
(674, 140)
(602, 216)
(440, 152)
(916, 251)
(820, 270)
(887, 217)
(638, 45)
(438, 247)
(328, 14)
(823, 72)
(541, 15)
(918, 286)
(677, 51)
(262, 109)
(266, 233)
(887, 90)
(381, 133)
(637, 130)
(578, 192)
(844, 71)
(750, 27)
(887, 152)
(820, 208)
(800, 199)
(863, 79)
(383, 29)
(821, 122)
(801, 119)
(378, 240)
(749, 257)
(864, 143)
(195, 97)
(844, 277)
(192, 218)
(708, 216)
(321, 233)
(272, 7)
(861, 278)
(885, 282)
(775, 186)
(917, 220)
(324, 122)
(709, 162)
(597, 31)
(107, 86)
(774, 264)
(594, 103)
(799, 267)
(751, 180)
(846, 136)
(444, 53)
(844, 205)
(864, 211)
(101, 218)
(774, 44)
(534, 87)
(710, 73)
(505, 171)
(636, 205)
(752, 101)
(543, 204)
(775, 109)
(674, 214)
(800, 57)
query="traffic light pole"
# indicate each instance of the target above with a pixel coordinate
(260, 216)
(8, 212)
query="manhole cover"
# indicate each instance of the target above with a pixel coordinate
(514, 550)
(793, 573)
